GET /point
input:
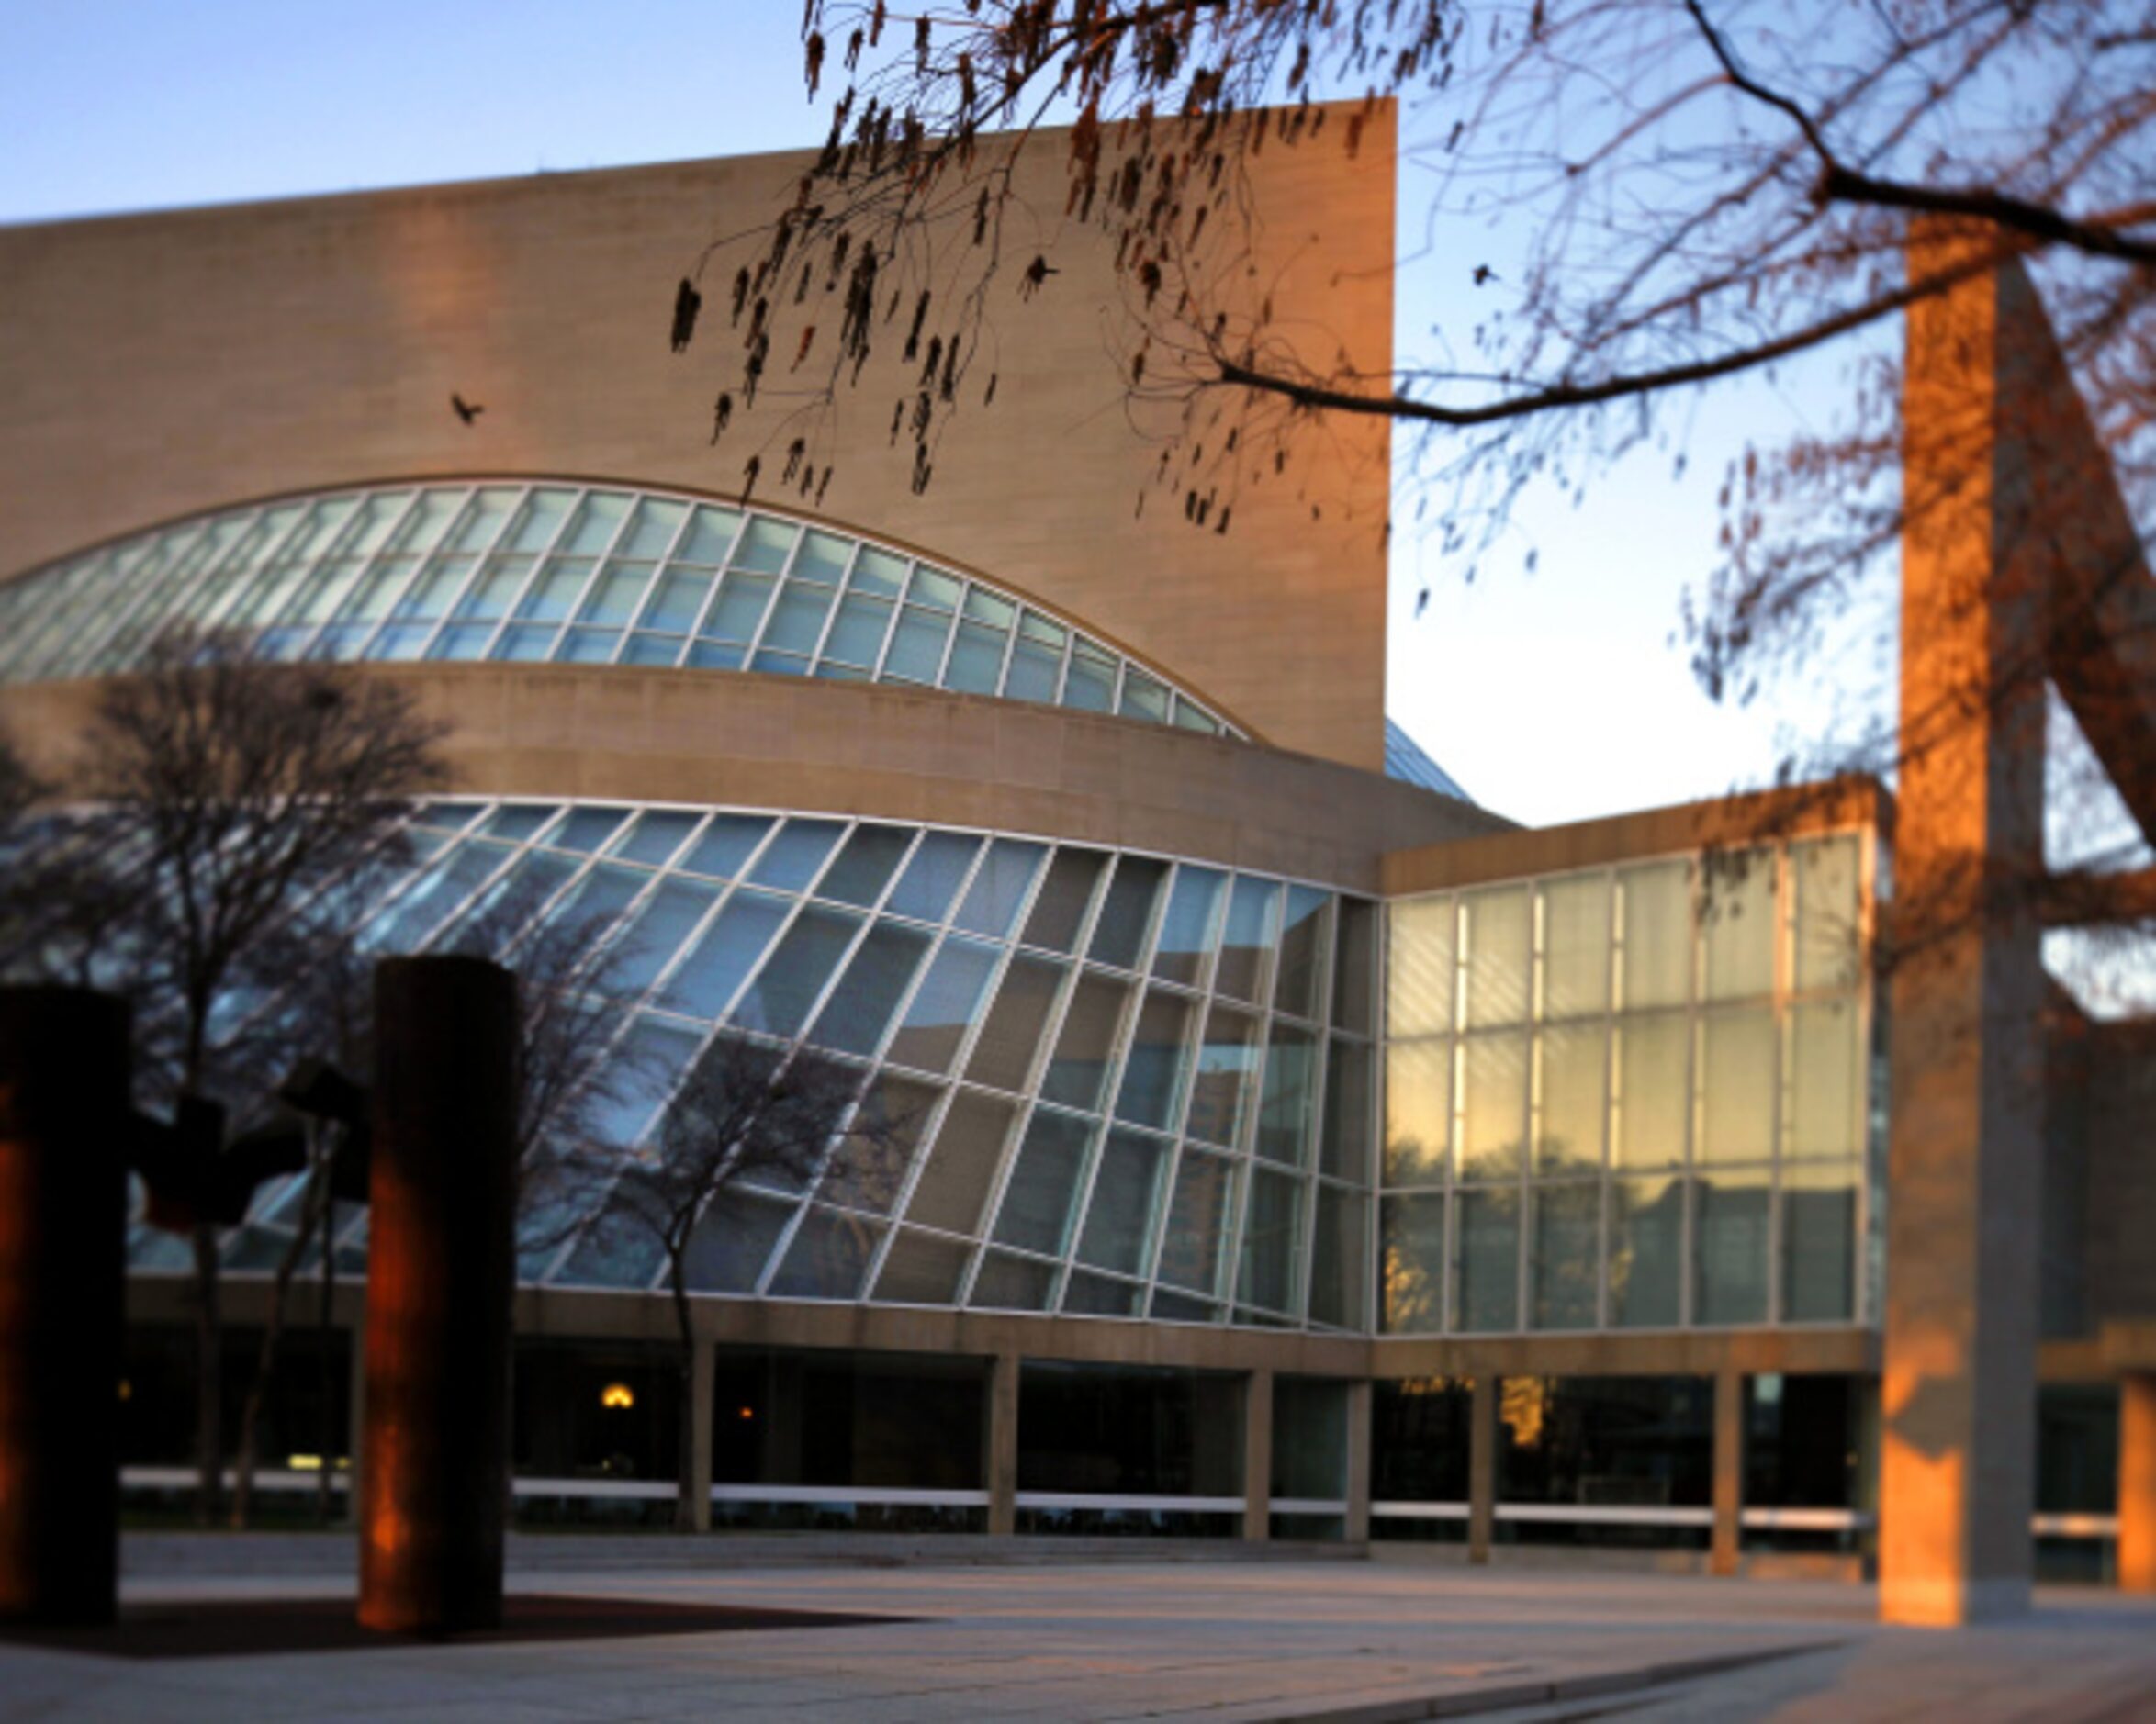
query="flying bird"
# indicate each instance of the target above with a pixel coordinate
(465, 411)
(1421, 601)
(1484, 274)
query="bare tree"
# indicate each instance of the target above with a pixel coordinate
(222, 790)
(747, 1114)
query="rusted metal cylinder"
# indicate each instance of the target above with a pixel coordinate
(63, 1114)
(440, 1271)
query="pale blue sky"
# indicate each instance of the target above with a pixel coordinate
(1550, 697)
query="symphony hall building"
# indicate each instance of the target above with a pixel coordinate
(1295, 1146)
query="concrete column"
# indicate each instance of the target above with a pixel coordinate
(1729, 1472)
(1359, 1462)
(441, 1271)
(2137, 1483)
(1257, 1456)
(1003, 1444)
(1482, 1467)
(703, 1429)
(1965, 1137)
(63, 1101)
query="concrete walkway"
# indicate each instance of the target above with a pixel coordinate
(1227, 1641)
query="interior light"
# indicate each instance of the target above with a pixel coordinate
(304, 1463)
(749, 1412)
(617, 1396)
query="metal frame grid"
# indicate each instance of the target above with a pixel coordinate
(1686, 1167)
(471, 853)
(515, 571)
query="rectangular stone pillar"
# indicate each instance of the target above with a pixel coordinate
(1482, 1467)
(1257, 1456)
(2137, 1483)
(1727, 1553)
(1359, 1462)
(702, 1430)
(1957, 1462)
(1003, 1444)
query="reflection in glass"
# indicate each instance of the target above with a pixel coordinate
(1729, 1224)
(1152, 1092)
(1568, 1232)
(1576, 946)
(1487, 1286)
(1493, 1104)
(1418, 1112)
(1653, 1091)
(1657, 935)
(1186, 932)
(1226, 1083)
(1119, 1223)
(1571, 1086)
(1036, 1214)
(1647, 1252)
(1287, 1108)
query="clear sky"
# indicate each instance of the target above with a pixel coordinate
(1550, 697)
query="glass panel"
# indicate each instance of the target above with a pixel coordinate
(728, 843)
(1422, 976)
(1004, 1056)
(738, 609)
(597, 519)
(1098, 1296)
(1355, 966)
(1344, 1150)
(549, 597)
(1287, 1109)
(649, 1060)
(657, 932)
(1657, 935)
(856, 637)
(1487, 1294)
(877, 571)
(797, 619)
(652, 530)
(1186, 932)
(1412, 1280)
(1126, 1195)
(726, 954)
(869, 1170)
(789, 862)
(1825, 1081)
(1090, 683)
(1493, 1105)
(828, 1259)
(1143, 698)
(921, 1269)
(1198, 1223)
(656, 836)
(519, 819)
(976, 659)
(932, 878)
(1576, 946)
(1572, 1074)
(1303, 939)
(961, 1166)
(1190, 717)
(1567, 1230)
(588, 646)
(678, 602)
(1828, 929)
(1739, 917)
(1653, 1091)
(933, 589)
(860, 1010)
(1012, 1283)
(1497, 956)
(1037, 660)
(1729, 1219)
(1226, 1085)
(1058, 910)
(1271, 1235)
(1036, 1214)
(765, 545)
(653, 649)
(586, 829)
(1818, 1243)
(613, 595)
(1647, 1252)
(950, 995)
(779, 664)
(711, 531)
(1737, 1112)
(1418, 1112)
(1151, 1093)
(992, 903)
(1087, 1044)
(866, 863)
(1125, 919)
(780, 1000)
(1339, 1246)
(733, 1242)
(915, 653)
(1253, 908)
(711, 655)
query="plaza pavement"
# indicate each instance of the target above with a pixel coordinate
(1225, 1641)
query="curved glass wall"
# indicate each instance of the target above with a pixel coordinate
(1133, 1086)
(1631, 1098)
(522, 573)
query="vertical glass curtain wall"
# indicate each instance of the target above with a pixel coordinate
(520, 573)
(1129, 1086)
(1633, 1097)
